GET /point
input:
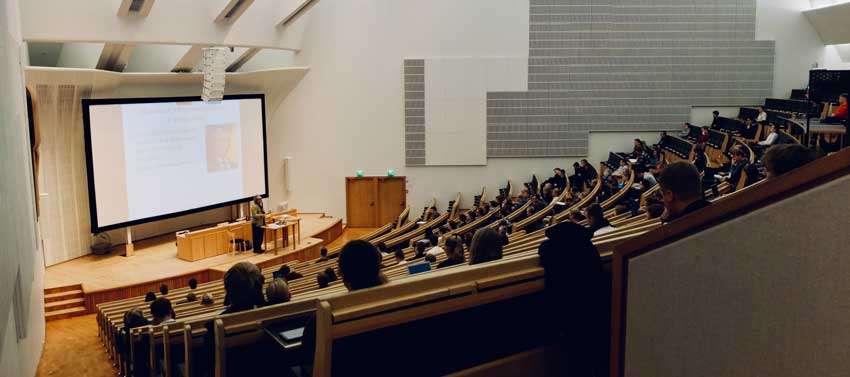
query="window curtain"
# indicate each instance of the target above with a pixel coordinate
(63, 196)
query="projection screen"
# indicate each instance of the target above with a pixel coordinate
(155, 158)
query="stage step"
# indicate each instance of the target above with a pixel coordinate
(65, 313)
(62, 296)
(64, 302)
(73, 287)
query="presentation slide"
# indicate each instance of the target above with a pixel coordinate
(154, 159)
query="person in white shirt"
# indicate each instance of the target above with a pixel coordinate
(771, 138)
(624, 166)
(596, 221)
(762, 117)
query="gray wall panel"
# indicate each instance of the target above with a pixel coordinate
(627, 65)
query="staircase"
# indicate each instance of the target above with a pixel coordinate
(64, 302)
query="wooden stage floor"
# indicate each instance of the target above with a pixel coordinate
(156, 259)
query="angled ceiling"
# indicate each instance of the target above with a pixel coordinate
(831, 22)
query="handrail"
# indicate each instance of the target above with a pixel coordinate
(743, 202)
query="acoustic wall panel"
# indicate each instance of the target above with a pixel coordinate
(626, 65)
(414, 112)
(450, 121)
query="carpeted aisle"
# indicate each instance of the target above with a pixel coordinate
(72, 348)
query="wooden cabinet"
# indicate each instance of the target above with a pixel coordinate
(374, 201)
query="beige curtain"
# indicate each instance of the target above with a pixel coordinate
(62, 172)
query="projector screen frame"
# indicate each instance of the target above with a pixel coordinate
(92, 194)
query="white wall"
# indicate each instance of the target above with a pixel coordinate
(19, 251)
(347, 114)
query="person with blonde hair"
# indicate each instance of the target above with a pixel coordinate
(277, 292)
(486, 246)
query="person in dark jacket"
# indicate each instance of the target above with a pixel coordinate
(681, 190)
(578, 294)
(559, 180)
(740, 160)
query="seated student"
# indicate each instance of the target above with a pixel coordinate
(454, 252)
(207, 299)
(150, 296)
(134, 318)
(577, 217)
(435, 249)
(419, 249)
(191, 297)
(740, 160)
(575, 279)
(546, 193)
(772, 135)
(714, 115)
(596, 221)
(323, 253)
(577, 179)
(750, 129)
(654, 210)
(277, 292)
(681, 190)
(322, 280)
(331, 274)
(193, 284)
(701, 163)
(243, 287)
(162, 311)
(360, 265)
(762, 115)
(703, 135)
(486, 246)
(288, 274)
(781, 159)
(639, 149)
(536, 225)
(840, 114)
(559, 179)
(522, 198)
(163, 289)
(536, 204)
(462, 219)
(622, 169)
(589, 173)
(771, 139)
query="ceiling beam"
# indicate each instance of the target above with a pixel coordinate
(114, 56)
(190, 59)
(233, 10)
(136, 8)
(242, 59)
(300, 10)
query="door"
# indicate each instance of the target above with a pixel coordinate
(360, 196)
(392, 198)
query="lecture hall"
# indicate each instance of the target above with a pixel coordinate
(465, 188)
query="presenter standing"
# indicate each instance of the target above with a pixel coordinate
(258, 221)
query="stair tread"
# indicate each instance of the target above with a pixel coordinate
(66, 293)
(75, 309)
(64, 302)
